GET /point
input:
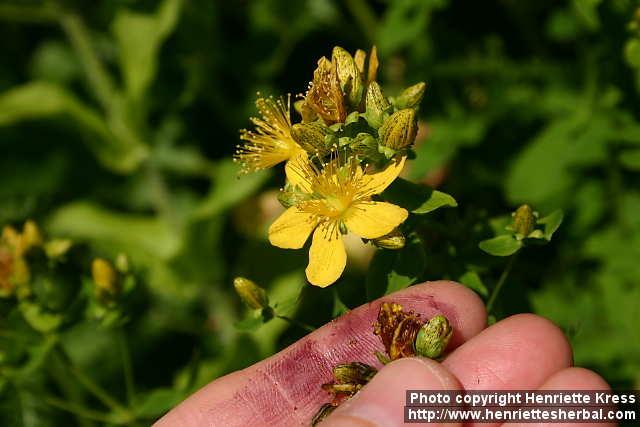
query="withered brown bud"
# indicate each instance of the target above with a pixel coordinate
(325, 95)
(397, 330)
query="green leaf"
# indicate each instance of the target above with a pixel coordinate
(446, 136)
(143, 236)
(417, 198)
(472, 280)
(139, 38)
(249, 323)
(504, 245)
(632, 52)
(630, 159)
(157, 402)
(391, 271)
(39, 100)
(40, 319)
(338, 306)
(551, 223)
(546, 169)
(227, 177)
(404, 22)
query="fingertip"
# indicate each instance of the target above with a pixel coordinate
(382, 401)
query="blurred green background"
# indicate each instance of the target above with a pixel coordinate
(118, 120)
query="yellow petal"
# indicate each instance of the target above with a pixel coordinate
(327, 256)
(374, 219)
(291, 229)
(299, 171)
(376, 183)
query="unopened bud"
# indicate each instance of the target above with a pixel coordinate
(376, 105)
(524, 221)
(359, 58)
(372, 72)
(311, 137)
(348, 75)
(122, 263)
(433, 337)
(399, 130)
(252, 295)
(411, 96)
(394, 240)
(31, 236)
(353, 373)
(105, 278)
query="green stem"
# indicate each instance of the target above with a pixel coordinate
(97, 75)
(86, 381)
(364, 16)
(127, 366)
(501, 281)
(78, 410)
(297, 323)
(44, 13)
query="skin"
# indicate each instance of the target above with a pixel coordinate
(524, 351)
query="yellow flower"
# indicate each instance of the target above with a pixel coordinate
(271, 141)
(339, 200)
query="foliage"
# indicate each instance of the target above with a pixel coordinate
(117, 124)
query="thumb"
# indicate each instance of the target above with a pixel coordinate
(381, 402)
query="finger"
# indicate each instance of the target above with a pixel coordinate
(519, 352)
(285, 388)
(382, 401)
(572, 379)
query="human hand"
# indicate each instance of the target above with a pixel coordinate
(524, 351)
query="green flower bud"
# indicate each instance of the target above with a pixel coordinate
(377, 105)
(524, 221)
(348, 75)
(411, 96)
(353, 373)
(399, 130)
(311, 137)
(252, 295)
(433, 337)
(394, 240)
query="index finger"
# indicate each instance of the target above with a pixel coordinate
(285, 389)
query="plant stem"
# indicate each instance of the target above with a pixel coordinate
(40, 14)
(78, 410)
(501, 281)
(296, 323)
(100, 393)
(97, 75)
(127, 366)
(364, 16)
